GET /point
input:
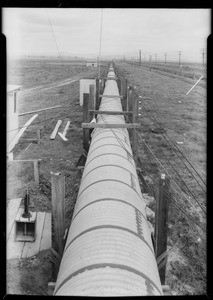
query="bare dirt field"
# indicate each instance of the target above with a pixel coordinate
(169, 119)
(48, 83)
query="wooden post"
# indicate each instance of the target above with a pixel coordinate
(86, 118)
(91, 100)
(36, 171)
(58, 212)
(161, 219)
(39, 136)
(45, 120)
(97, 94)
(129, 99)
(119, 85)
(134, 134)
(124, 94)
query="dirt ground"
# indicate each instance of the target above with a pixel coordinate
(31, 276)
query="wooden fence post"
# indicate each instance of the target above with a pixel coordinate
(97, 100)
(45, 121)
(39, 136)
(134, 118)
(86, 118)
(124, 93)
(161, 220)
(36, 171)
(58, 211)
(91, 99)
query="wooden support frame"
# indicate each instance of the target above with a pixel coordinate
(125, 125)
(124, 92)
(20, 133)
(86, 118)
(58, 211)
(112, 96)
(92, 99)
(53, 135)
(107, 112)
(161, 220)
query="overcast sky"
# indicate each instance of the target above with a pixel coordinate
(50, 31)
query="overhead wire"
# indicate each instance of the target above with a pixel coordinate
(165, 135)
(177, 149)
(167, 172)
(99, 58)
(166, 192)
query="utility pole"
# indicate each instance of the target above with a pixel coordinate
(165, 57)
(150, 58)
(124, 57)
(179, 53)
(156, 58)
(140, 58)
(203, 55)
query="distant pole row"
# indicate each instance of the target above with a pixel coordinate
(139, 58)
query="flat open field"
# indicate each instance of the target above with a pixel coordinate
(48, 83)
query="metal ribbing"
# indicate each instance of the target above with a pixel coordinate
(109, 250)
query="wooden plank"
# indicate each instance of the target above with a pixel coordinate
(161, 221)
(134, 135)
(66, 128)
(58, 211)
(111, 96)
(24, 160)
(12, 209)
(39, 110)
(53, 135)
(19, 134)
(96, 125)
(86, 118)
(91, 100)
(36, 171)
(62, 136)
(29, 248)
(109, 112)
(46, 238)
(39, 136)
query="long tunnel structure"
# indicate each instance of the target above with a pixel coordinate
(109, 250)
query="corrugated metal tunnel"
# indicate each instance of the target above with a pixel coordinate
(109, 250)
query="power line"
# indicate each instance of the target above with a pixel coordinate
(203, 55)
(165, 135)
(179, 54)
(100, 44)
(53, 34)
(118, 139)
(165, 54)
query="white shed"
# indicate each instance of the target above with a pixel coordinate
(12, 111)
(92, 64)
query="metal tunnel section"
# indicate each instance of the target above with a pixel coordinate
(109, 250)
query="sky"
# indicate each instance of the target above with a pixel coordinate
(77, 32)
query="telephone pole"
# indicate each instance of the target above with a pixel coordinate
(179, 53)
(203, 55)
(165, 57)
(140, 58)
(156, 57)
